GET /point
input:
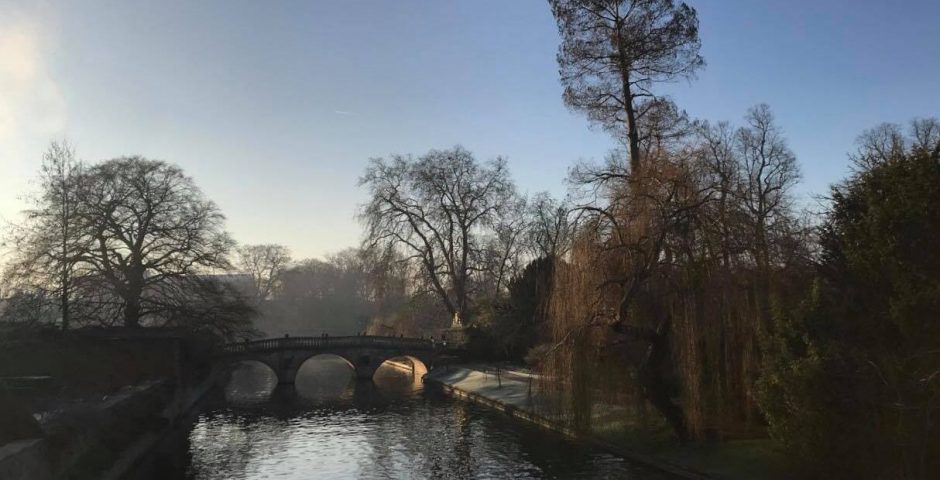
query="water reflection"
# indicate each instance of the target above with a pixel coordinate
(250, 382)
(332, 426)
(324, 379)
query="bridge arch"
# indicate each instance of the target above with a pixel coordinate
(323, 376)
(323, 356)
(418, 368)
(256, 361)
(249, 380)
(364, 352)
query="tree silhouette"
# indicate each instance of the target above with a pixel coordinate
(150, 225)
(436, 208)
(612, 54)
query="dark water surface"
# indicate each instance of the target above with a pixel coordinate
(330, 426)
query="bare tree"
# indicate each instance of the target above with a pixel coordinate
(264, 263)
(769, 170)
(387, 279)
(437, 209)
(549, 230)
(718, 152)
(150, 226)
(47, 244)
(925, 134)
(503, 249)
(888, 142)
(612, 54)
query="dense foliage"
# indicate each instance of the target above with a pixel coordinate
(512, 324)
(852, 378)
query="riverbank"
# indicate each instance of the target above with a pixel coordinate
(515, 393)
(104, 439)
(97, 401)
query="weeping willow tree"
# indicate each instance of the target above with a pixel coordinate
(682, 252)
(613, 332)
(671, 277)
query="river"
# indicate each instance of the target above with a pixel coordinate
(330, 426)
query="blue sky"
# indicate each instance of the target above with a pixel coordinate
(275, 107)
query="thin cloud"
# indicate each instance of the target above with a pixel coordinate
(344, 112)
(32, 107)
(31, 101)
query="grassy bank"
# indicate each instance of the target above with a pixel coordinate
(650, 444)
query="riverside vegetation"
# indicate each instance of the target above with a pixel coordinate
(681, 290)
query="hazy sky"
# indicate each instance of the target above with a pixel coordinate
(275, 107)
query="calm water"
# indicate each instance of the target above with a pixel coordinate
(330, 426)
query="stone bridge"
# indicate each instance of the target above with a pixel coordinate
(365, 352)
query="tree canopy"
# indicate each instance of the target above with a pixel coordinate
(853, 376)
(612, 55)
(439, 209)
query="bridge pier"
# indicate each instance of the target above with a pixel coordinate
(364, 372)
(286, 376)
(286, 367)
(365, 367)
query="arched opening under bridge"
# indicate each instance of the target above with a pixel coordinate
(324, 376)
(250, 381)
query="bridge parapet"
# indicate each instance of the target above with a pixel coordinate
(323, 343)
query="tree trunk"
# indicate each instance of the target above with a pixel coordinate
(132, 313)
(653, 371)
(134, 290)
(65, 265)
(656, 387)
(633, 133)
(64, 299)
(65, 306)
